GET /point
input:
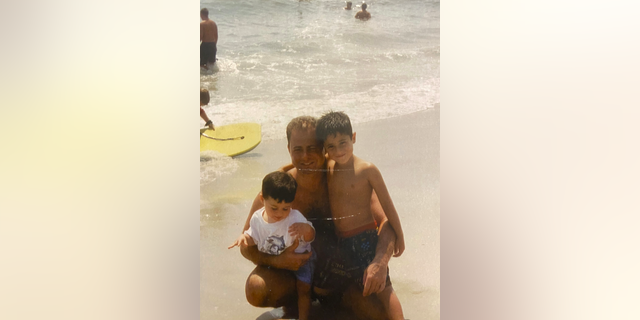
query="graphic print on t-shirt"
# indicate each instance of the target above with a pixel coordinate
(274, 244)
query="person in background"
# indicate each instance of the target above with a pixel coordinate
(208, 39)
(363, 14)
(348, 7)
(204, 100)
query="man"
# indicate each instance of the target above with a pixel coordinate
(271, 284)
(364, 14)
(348, 7)
(208, 40)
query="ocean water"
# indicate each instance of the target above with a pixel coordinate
(278, 59)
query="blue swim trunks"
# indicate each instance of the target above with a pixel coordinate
(305, 273)
(353, 256)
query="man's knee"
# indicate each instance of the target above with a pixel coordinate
(256, 291)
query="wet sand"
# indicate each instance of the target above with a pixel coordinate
(406, 149)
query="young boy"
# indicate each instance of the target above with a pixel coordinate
(276, 226)
(351, 182)
(204, 100)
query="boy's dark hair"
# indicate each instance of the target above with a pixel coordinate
(364, 6)
(204, 12)
(204, 96)
(279, 186)
(332, 123)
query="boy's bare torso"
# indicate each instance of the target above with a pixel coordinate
(350, 194)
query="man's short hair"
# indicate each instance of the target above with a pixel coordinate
(364, 6)
(279, 186)
(204, 12)
(332, 123)
(300, 123)
(204, 96)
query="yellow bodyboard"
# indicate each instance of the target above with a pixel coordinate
(227, 139)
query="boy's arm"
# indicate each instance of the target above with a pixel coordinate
(376, 181)
(286, 167)
(304, 230)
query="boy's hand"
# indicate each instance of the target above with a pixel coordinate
(299, 230)
(212, 127)
(399, 247)
(241, 241)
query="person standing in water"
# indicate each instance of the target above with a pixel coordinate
(208, 39)
(364, 14)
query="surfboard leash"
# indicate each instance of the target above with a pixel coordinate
(222, 139)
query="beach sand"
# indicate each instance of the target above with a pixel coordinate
(406, 149)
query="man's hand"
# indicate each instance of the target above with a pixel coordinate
(375, 278)
(290, 260)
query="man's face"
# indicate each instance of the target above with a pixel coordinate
(306, 152)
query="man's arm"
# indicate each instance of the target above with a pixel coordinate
(288, 259)
(375, 276)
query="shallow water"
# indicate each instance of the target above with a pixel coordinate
(280, 59)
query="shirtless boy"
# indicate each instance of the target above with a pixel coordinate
(351, 182)
(364, 14)
(209, 39)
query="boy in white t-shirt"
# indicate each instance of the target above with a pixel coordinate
(276, 226)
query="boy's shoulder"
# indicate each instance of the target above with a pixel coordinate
(361, 164)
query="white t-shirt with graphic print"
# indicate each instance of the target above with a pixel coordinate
(273, 238)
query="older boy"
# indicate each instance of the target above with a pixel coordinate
(351, 181)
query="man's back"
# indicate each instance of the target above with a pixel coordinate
(208, 31)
